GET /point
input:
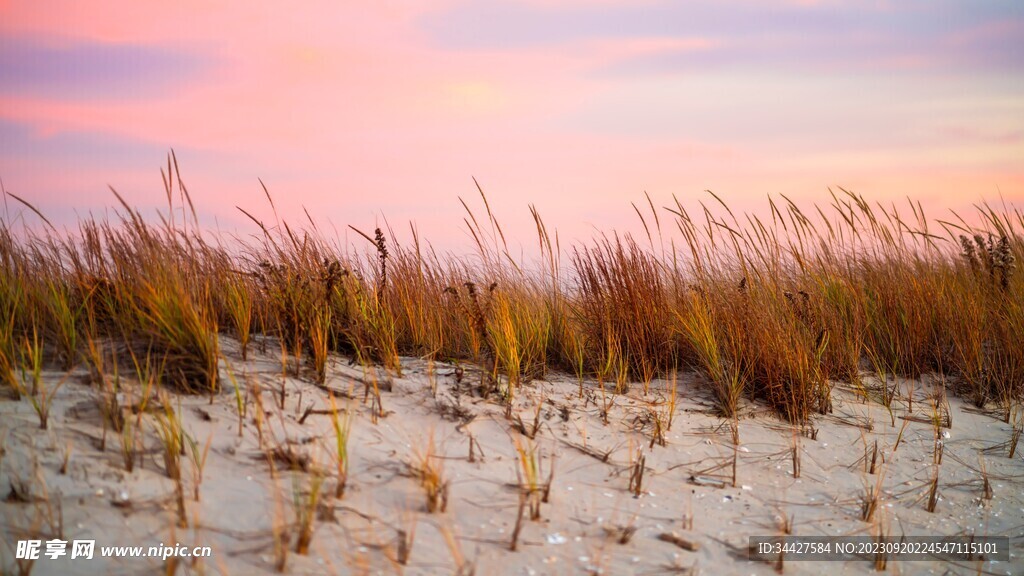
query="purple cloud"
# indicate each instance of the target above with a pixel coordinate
(851, 35)
(84, 71)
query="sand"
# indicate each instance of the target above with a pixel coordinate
(687, 490)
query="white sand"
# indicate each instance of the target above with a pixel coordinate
(239, 500)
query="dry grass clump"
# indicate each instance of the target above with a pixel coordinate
(638, 465)
(534, 488)
(718, 347)
(305, 498)
(342, 425)
(982, 294)
(173, 441)
(774, 309)
(621, 302)
(428, 468)
(146, 285)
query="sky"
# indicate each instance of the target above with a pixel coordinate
(366, 113)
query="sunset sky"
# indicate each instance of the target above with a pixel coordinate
(365, 110)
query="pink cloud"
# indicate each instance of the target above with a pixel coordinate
(354, 110)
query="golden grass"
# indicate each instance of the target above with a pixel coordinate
(773, 309)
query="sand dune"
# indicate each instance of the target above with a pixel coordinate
(698, 488)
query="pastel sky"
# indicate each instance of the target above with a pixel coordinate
(359, 111)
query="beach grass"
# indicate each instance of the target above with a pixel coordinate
(776, 310)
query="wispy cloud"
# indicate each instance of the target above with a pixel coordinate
(83, 70)
(748, 34)
(361, 108)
